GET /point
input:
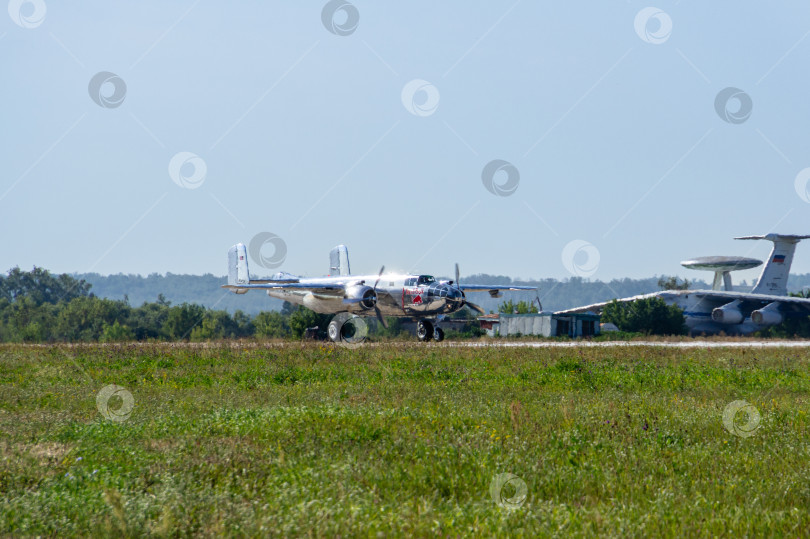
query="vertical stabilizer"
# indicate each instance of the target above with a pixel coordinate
(238, 265)
(339, 261)
(774, 276)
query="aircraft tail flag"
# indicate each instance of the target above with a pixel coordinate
(238, 265)
(339, 261)
(774, 276)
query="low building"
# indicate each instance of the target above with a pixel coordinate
(542, 324)
(489, 323)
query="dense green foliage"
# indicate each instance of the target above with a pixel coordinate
(673, 283)
(520, 307)
(651, 316)
(39, 307)
(314, 440)
(39, 286)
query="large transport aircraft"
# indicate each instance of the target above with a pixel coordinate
(734, 313)
(419, 297)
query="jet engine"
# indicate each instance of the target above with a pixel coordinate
(768, 315)
(728, 314)
(363, 296)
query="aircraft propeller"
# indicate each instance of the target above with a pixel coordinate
(469, 304)
(380, 317)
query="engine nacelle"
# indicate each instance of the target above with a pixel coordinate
(321, 304)
(728, 314)
(768, 315)
(362, 296)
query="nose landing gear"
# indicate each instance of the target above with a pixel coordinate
(425, 331)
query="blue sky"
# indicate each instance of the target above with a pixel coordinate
(305, 134)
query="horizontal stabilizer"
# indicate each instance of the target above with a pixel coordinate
(323, 289)
(775, 237)
(239, 280)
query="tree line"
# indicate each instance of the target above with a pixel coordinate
(37, 306)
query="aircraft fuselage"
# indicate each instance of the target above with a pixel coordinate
(397, 295)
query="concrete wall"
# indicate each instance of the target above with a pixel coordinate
(538, 324)
(527, 325)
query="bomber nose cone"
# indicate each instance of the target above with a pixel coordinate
(454, 295)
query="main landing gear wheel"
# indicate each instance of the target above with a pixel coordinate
(347, 330)
(424, 330)
(333, 330)
(438, 334)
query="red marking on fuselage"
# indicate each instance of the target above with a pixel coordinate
(413, 295)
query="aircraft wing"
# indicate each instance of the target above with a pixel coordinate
(494, 290)
(487, 287)
(794, 304)
(716, 298)
(323, 289)
(598, 307)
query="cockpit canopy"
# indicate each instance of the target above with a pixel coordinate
(419, 281)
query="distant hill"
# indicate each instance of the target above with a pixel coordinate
(205, 290)
(202, 289)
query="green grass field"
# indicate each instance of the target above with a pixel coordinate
(402, 439)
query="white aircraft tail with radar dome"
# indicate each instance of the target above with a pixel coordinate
(721, 309)
(419, 297)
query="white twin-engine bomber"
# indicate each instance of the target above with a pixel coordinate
(420, 297)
